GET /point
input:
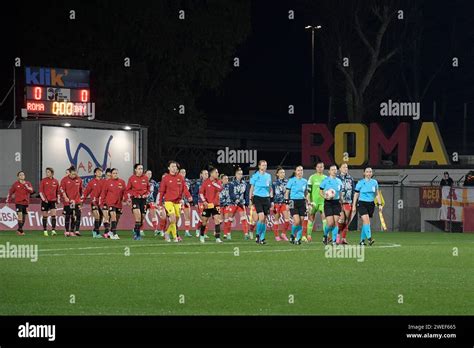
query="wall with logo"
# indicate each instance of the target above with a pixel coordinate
(87, 149)
(86, 144)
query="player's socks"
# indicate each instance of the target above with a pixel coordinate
(217, 228)
(45, 223)
(259, 228)
(325, 223)
(344, 231)
(368, 232)
(304, 227)
(310, 227)
(299, 232)
(226, 225)
(154, 223)
(325, 230)
(252, 227)
(264, 231)
(187, 225)
(275, 229)
(53, 223)
(172, 230)
(340, 226)
(96, 226)
(67, 224)
(362, 233)
(286, 226)
(334, 233)
(136, 229)
(245, 225)
(294, 230)
(113, 227)
(107, 227)
(202, 229)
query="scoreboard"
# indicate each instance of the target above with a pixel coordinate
(53, 97)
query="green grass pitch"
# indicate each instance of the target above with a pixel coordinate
(159, 278)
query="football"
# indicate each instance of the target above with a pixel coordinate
(329, 194)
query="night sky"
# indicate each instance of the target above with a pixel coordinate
(274, 53)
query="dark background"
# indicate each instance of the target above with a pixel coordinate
(190, 62)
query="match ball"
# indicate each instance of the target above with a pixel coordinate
(329, 194)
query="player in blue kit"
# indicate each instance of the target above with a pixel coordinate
(261, 193)
(330, 190)
(296, 191)
(366, 192)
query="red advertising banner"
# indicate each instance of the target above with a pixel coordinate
(430, 197)
(8, 219)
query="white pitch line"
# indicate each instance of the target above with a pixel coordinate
(218, 252)
(141, 246)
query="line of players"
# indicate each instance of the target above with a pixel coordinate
(335, 197)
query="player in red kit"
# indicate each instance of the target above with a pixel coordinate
(172, 189)
(21, 190)
(209, 194)
(138, 189)
(49, 193)
(113, 193)
(94, 190)
(71, 190)
(105, 212)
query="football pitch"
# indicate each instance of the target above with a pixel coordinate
(403, 273)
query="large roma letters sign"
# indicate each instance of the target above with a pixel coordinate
(369, 145)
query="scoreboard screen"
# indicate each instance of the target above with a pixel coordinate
(57, 94)
(59, 108)
(52, 92)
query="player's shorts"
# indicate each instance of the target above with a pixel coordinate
(317, 206)
(139, 203)
(279, 208)
(262, 204)
(347, 207)
(173, 208)
(115, 210)
(332, 207)
(95, 207)
(210, 212)
(298, 207)
(232, 209)
(365, 208)
(20, 208)
(47, 206)
(69, 210)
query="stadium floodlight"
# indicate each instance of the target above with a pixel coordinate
(313, 28)
(67, 124)
(127, 128)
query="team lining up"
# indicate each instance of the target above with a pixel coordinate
(335, 197)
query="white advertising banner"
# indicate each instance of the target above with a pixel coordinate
(87, 148)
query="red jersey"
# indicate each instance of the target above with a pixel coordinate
(138, 186)
(209, 191)
(94, 189)
(72, 188)
(172, 189)
(113, 193)
(49, 190)
(21, 192)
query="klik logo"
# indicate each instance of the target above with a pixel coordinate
(8, 217)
